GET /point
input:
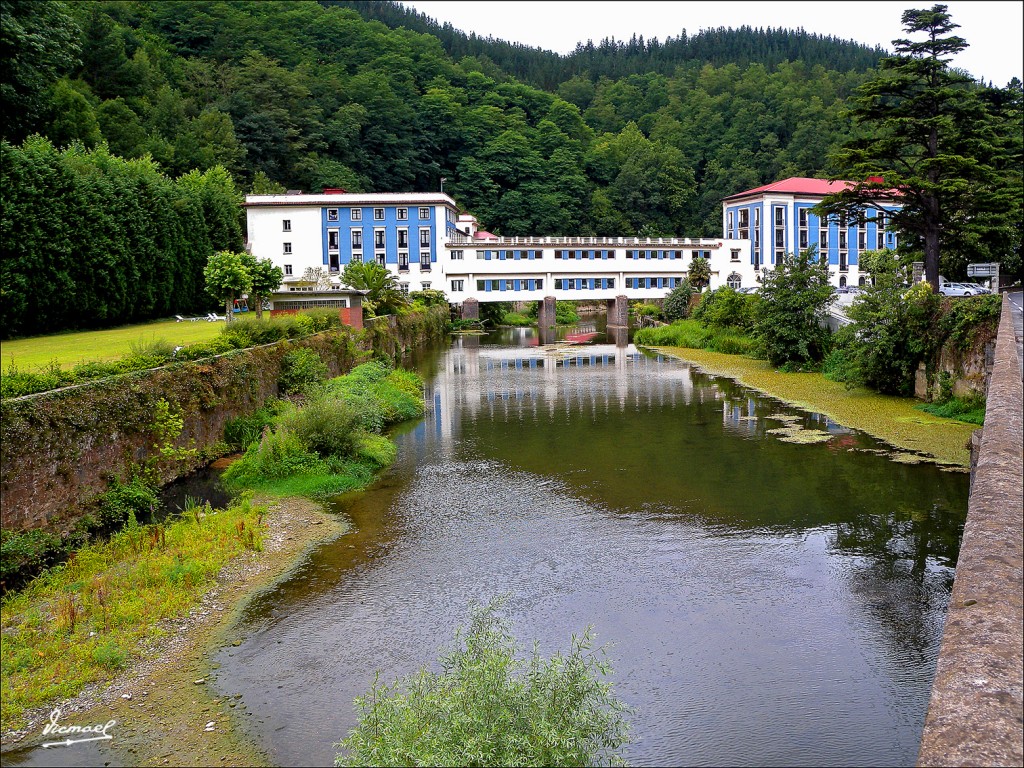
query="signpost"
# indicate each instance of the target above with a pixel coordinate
(990, 270)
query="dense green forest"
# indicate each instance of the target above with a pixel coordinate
(621, 138)
(305, 95)
(615, 59)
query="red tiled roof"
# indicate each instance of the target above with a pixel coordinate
(796, 185)
(482, 235)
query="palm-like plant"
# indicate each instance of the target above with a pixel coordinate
(384, 296)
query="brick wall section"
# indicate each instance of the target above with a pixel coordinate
(976, 714)
(61, 447)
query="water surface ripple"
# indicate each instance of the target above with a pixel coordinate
(767, 603)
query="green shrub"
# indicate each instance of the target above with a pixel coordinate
(215, 346)
(963, 319)
(677, 303)
(243, 431)
(124, 502)
(278, 454)
(325, 425)
(492, 704)
(26, 554)
(969, 409)
(376, 449)
(726, 308)
(300, 369)
(518, 319)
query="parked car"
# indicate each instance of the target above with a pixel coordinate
(747, 289)
(978, 288)
(956, 289)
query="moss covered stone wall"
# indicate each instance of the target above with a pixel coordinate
(64, 446)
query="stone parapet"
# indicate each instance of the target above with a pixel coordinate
(976, 712)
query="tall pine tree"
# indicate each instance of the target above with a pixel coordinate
(924, 131)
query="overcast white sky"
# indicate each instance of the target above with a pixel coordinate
(993, 29)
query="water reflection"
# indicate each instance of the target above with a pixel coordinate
(771, 602)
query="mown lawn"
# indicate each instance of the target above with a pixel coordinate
(70, 349)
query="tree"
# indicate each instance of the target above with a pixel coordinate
(384, 296)
(699, 273)
(265, 277)
(890, 331)
(789, 320)
(489, 706)
(924, 134)
(40, 43)
(227, 278)
(677, 303)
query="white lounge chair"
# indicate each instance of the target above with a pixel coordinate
(213, 317)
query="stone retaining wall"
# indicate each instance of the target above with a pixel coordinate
(976, 712)
(61, 447)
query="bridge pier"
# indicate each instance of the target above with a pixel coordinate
(547, 317)
(618, 312)
(471, 309)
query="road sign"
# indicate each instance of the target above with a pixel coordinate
(983, 270)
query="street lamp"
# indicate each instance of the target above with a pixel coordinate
(443, 180)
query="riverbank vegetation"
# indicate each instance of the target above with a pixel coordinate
(107, 607)
(492, 705)
(330, 442)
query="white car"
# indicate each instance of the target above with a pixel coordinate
(957, 289)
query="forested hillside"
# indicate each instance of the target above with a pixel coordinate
(617, 139)
(304, 95)
(619, 58)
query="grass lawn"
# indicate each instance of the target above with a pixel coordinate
(70, 349)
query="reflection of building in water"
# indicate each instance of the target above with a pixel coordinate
(740, 416)
(524, 384)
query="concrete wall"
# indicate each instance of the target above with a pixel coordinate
(976, 712)
(61, 447)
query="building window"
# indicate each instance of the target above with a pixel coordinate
(823, 236)
(378, 238)
(332, 239)
(403, 238)
(357, 239)
(287, 247)
(381, 259)
(286, 225)
(880, 229)
(734, 254)
(424, 214)
(425, 286)
(730, 227)
(842, 281)
(403, 261)
(403, 287)
(287, 269)
(803, 227)
(424, 237)
(332, 214)
(357, 257)
(378, 214)
(356, 214)
(456, 255)
(402, 214)
(862, 236)
(334, 264)
(424, 261)
(457, 286)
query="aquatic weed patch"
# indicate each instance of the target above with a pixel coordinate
(83, 621)
(892, 419)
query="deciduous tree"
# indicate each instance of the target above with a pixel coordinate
(227, 278)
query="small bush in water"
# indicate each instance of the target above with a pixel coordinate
(491, 706)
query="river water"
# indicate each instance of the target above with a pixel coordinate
(765, 602)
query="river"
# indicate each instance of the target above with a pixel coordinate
(765, 602)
